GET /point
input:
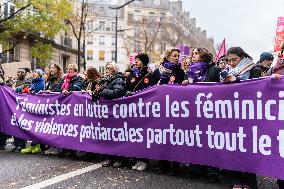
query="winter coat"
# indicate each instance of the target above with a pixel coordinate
(77, 84)
(278, 68)
(38, 84)
(178, 74)
(114, 87)
(54, 84)
(213, 73)
(19, 85)
(257, 71)
(145, 80)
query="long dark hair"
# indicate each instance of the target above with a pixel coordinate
(58, 74)
(239, 52)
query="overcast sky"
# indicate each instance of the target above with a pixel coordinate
(250, 24)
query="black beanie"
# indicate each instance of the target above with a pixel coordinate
(143, 57)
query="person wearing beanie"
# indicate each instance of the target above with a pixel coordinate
(140, 77)
(262, 67)
(38, 84)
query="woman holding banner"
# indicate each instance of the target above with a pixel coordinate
(241, 65)
(72, 82)
(37, 85)
(140, 78)
(92, 78)
(54, 79)
(54, 83)
(112, 86)
(169, 72)
(203, 69)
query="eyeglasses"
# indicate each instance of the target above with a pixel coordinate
(109, 68)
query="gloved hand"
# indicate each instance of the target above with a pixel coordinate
(128, 93)
(18, 90)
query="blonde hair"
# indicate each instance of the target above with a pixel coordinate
(114, 65)
(73, 66)
(167, 53)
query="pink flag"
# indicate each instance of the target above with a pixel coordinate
(222, 51)
(279, 39)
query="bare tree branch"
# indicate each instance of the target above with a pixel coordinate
(15, 13)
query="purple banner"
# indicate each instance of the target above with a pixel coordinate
(232, 126)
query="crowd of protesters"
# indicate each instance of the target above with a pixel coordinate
(235, 66)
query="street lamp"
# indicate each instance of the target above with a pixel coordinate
(116, 20)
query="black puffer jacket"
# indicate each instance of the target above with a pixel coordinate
(113, 87)
(145, 80)
(213, 73)
(54, 84)
(258, 71)
(178, 74)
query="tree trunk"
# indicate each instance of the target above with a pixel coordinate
(79, 54)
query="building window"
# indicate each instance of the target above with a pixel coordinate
(102, 25)
(101, 9)
(5, 10)
(151, 13)
(136, 46)
(112, 55)
(90, 26)
(12, 9)
(113, 40)
(102, 40)
(157, 2)
(90, 54)
(113, 26)
(102, 55)
(90, 40)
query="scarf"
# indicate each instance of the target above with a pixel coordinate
(136, 71)
(242, 70)
(166, 69)
(198, 71)
(67, 79)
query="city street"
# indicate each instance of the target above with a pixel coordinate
(44, 171)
